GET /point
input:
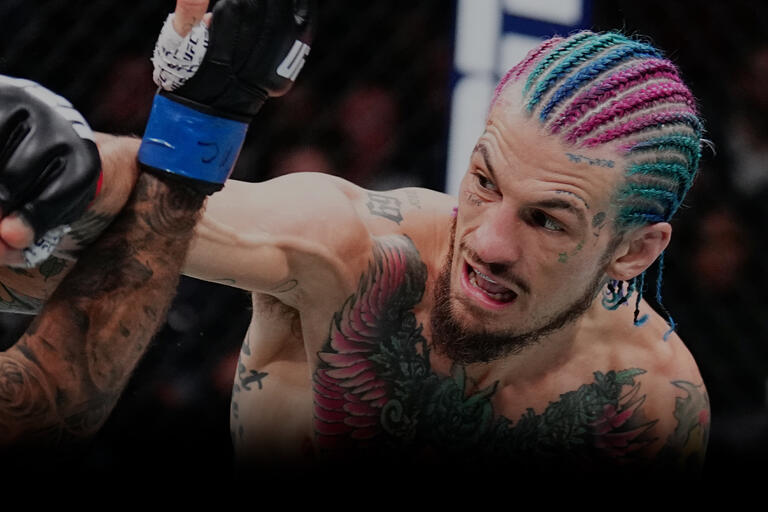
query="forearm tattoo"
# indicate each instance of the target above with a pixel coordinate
(63, 377)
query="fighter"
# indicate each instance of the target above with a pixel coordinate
(505, 325)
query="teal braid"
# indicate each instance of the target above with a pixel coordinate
(595, 68)
(680, 142)
(674, 170)
(559, 51)
(578, 56)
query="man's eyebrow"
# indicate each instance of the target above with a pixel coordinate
(483, 150)
(561, 204)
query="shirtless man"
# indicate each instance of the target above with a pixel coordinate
(503, 325)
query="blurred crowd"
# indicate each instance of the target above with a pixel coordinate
(372, 106)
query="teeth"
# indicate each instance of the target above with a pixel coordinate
(484, 276)
(473, 280)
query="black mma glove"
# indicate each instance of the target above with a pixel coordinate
(255, 51)
(49, 163)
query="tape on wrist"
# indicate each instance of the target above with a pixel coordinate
(43, 247)
(184, 141)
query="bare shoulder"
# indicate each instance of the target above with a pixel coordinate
(666, 390)
(420, 213)
(624, 398)
(677, 396)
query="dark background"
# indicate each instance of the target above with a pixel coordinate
(372, 106)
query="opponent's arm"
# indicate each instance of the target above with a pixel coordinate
(64, 376)
(211, 89)
(23, 290)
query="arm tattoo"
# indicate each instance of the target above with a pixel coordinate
(384, 206)
(413, 198)
(247, 377)
(40, 281)
(84, 233)
(64, 376)
(686, 446)
(12, 301)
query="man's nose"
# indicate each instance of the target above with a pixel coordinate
(497, 240)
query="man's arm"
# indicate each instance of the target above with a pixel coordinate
(64, 376)
(259, 236)
(23, 290)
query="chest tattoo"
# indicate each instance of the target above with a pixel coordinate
(376, 392)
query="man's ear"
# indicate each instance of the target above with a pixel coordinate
(639, 249)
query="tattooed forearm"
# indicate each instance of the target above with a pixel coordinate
(52, 267)
(89, 227)
(12, 301)
(66, 373)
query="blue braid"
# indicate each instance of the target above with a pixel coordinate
(572, 60)
(659, 278)
(588, 73)
(641, 284)
(561, 49)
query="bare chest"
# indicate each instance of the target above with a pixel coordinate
(364, 376)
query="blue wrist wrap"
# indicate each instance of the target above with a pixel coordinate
(183, 141)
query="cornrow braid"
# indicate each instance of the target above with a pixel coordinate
(555, 54)
(570, 62)
(655, 92)
(533, 56)
(588, 73)
(610, 87)
(595, 89)
(642, 123)
(515, 73)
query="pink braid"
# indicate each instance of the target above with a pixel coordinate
(641, 123)
(673, 92)
(612, 86)
(530, 59)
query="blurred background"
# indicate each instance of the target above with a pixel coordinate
(377, 104)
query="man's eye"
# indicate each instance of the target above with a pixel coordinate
(486, 183)
(542, 219)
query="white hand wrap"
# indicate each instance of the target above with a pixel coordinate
(177, 58)
(44, 247)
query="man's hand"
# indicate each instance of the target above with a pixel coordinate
(255, 51)
(49, 170)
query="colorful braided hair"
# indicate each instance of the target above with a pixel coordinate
(592, 89)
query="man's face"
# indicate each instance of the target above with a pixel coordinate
(532, 239)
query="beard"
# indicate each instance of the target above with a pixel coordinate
(464, 345)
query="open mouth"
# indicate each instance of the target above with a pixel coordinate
(485, 289)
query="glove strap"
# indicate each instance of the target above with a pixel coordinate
(181, 140)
